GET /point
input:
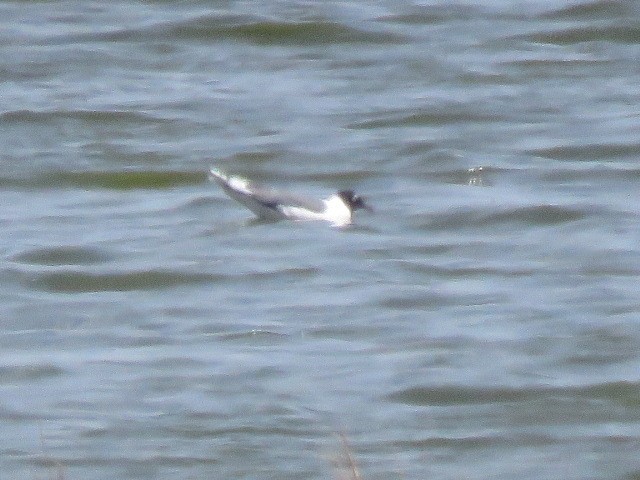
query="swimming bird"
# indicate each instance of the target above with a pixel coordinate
(270, 204)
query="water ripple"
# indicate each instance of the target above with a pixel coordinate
(127, 180)
(619, 392)
(589, 152)
(28, 373)
(431, 116)
(540, 215)
(83, 282)
(591, 10)
(66, 255)
(89, 116)
(280, 33)
(110, 180)
(255, 30)
(625, 34)
(458, 395)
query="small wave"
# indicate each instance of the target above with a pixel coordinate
(589, 152)
(459, 395)
(421, 300)
(28, 373)
(251, 29)
(626, 34)
(66, 255)
(84, 282)
(279, 33)
(466, 442)
(435, 14)
(291, 273)
(620, 392)
(597, 10)
(538, 215)
(90, 116)
(109, 180)
(463, 272)
(123, 180)
(433, 116)
(253, 334)
(529, 215)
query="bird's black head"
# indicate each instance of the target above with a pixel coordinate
(354, 201)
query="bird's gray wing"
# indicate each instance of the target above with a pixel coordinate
(264, 202)
(278, 198)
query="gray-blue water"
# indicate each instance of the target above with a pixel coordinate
(483, 323)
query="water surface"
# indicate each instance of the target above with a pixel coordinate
(482, 323)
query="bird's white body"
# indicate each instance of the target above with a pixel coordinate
(335, 211)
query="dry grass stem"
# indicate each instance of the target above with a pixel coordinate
(345, 462)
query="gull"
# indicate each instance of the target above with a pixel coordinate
(270, 204)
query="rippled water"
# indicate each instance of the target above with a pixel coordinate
(482, 323)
